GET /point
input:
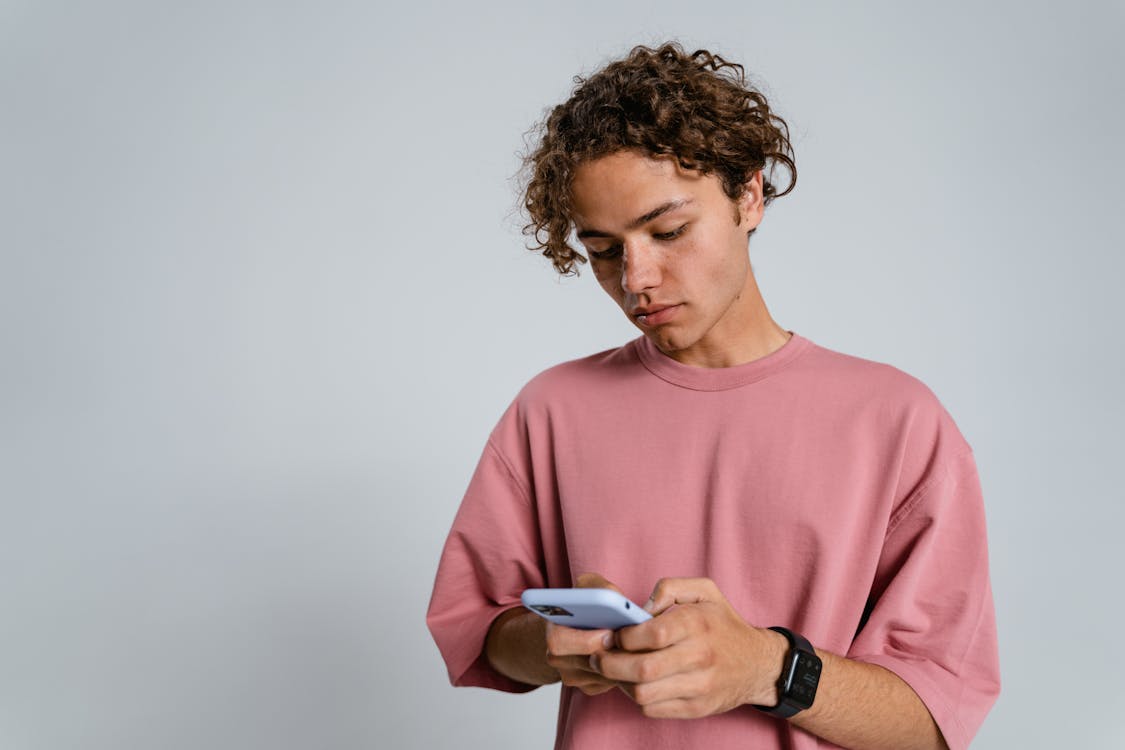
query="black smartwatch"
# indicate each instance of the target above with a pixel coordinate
(800, 674)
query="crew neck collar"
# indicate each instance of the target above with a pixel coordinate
(717, 378)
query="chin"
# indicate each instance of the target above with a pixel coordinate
(668, 342)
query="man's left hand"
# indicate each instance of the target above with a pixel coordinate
(696, 656)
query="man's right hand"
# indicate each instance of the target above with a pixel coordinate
(569, 649)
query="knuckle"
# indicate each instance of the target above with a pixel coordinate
(707, 683)
(645, 695)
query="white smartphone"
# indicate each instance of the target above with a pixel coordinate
(585, 609)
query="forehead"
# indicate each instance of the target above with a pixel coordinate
(625, 184)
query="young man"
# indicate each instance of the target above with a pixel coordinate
(791, 514)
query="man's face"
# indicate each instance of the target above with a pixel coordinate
(659, 236)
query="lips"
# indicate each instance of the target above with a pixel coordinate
(655, 315)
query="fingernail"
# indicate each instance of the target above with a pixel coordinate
(594, 665)
(608, 640)
(649, 604)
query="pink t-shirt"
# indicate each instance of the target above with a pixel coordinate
(823, 492)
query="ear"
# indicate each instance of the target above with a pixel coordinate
(751, 204)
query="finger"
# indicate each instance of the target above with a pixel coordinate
(681, 687)
(677, 708)
(574, 665)
(659, 632)
(588, 682)
(564, 641)
(650, 667)
(670, 591)
(594, 581)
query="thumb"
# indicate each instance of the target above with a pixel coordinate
(594, 581)
(671, 591)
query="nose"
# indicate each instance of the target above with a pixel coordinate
(640, 268)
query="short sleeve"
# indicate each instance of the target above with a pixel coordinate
(491, 555)
(930, 618)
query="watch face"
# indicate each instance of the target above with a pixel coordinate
(803, 678)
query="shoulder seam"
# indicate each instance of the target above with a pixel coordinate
(511, 472)
(915, 499)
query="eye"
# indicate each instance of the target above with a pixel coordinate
(612, 252)
(615, 251)
(670, 235)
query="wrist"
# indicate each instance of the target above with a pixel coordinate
(516, 647)
(774, 650)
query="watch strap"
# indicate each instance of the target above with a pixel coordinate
(786, 708)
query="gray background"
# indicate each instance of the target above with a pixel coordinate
(263, 295)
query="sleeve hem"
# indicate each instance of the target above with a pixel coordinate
(469, 667)
(481, 674)
(956, 736)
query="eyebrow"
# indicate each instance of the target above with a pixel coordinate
(660, 210)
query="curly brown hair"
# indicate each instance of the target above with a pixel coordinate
(697, 108)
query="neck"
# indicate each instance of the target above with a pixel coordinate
(747, 333)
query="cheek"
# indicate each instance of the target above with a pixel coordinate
(715, 265)
(614, 291)
(607, 274)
